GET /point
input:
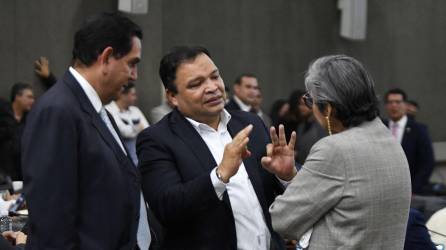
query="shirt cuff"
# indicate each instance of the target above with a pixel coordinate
(219, 186)
(284, 183)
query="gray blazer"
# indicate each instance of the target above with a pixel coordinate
(354, 190)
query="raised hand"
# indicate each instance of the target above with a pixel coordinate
(234, 153)
(42, 67)
(279, 158)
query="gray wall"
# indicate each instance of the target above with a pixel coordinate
(277, 39)
(273, 39)
(31, 29)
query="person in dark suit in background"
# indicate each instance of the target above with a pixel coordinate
(200, 164)
(414, 138)
(12, 122)
(417, 235)
(82, 189)
(245, 91)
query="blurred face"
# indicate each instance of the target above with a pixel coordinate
(304, 111)
(257, 100)
(121, 71)
(200, 90)
(395, 106)
(411, 109)
(25, 100)
(129, 99)
(247, 89)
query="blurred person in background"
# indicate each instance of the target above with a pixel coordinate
(245, 91)
(414, 138)
(129, 118)
(256, 108)
(279, 109)
(12, 122)
(412, 108)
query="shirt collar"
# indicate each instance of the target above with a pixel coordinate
(242, 105)
(88, 89)
(225, 117)
(401, 122)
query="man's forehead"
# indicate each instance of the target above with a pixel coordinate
(201, 64)
(251, 80)
(395, 96)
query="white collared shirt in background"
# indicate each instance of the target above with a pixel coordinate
(243, 106)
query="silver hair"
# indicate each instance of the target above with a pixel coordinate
(343, 82)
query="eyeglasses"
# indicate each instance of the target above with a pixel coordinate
(308, 100)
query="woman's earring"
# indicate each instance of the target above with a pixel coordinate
(328, 124)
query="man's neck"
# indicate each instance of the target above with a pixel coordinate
(396, 120)
(121, 105)
(18, 111)
(91, 79)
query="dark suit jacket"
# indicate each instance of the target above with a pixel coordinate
(5, 245)
(82, 190)
(417, 236)
(175, 165)
(417, 146)
(232, 105)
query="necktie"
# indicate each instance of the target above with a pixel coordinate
(112, 130)
(394, 128)
(143, 236)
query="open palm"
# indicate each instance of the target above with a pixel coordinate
(279, 158)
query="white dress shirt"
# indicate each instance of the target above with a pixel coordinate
(251, 229)
(130, 122)
(401, 125)
(243, 106)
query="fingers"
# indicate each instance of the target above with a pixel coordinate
(269, 149)
(292, 142)
(282, 139)
(273, 135)
(244, 133)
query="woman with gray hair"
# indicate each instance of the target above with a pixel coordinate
(353, 191)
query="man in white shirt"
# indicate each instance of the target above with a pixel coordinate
(246, 89)
(201, 165)
(82, 189)
(413, 137)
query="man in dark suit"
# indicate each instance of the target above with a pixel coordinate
(82, 189)
(246, 89)
(414, 138)
(201, 165)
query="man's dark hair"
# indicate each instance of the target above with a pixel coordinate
(18, 88)
(239, 78)
(414, 103)
(172, 60)
(396, 91)
(126, 89)
(101, 31)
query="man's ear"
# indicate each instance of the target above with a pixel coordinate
(236, 88)
(171, 96)
(105, 56)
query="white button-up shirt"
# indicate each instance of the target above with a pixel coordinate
(251, 229)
